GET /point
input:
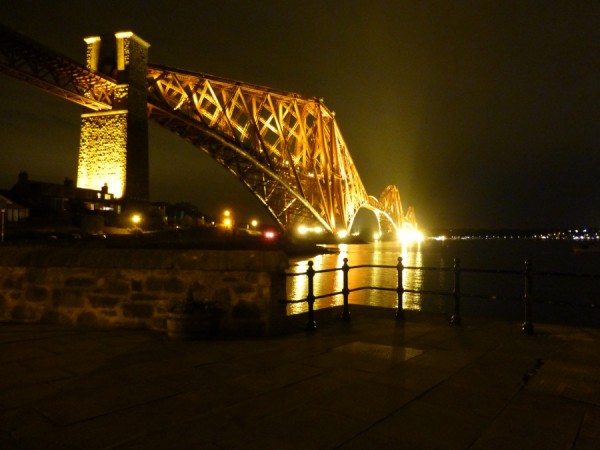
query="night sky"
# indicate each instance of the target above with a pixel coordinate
(485, 114)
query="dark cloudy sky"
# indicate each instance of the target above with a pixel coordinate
(483, 113)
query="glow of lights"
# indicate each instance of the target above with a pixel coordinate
(254, 223)
(136, 219)
(342, 234)
(376, 236)
(410, 235)
(227, 219)
(303, 229)
(269, 234)
(124, 34)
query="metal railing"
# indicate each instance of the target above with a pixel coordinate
(456, 293)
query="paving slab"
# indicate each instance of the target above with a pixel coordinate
(374, 382)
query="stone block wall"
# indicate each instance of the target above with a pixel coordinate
(134, 288)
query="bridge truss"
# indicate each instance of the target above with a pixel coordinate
(29, 61)
(285, 148)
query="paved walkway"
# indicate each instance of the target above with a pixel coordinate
(372, 383)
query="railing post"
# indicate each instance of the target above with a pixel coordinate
(527, 326)
(400, 290)
(345, 290)
(455, 319)
(310, 298)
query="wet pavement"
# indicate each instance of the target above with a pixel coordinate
(371, 383)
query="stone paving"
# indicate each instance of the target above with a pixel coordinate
(370, 383)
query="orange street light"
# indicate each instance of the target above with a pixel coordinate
(227, 219)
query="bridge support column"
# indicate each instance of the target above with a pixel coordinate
(113, 148)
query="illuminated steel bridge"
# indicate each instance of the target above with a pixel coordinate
(287, 149)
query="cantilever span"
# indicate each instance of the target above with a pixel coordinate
(287, 149)
(29, 61)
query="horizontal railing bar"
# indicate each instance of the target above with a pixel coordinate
(417, 291)
(457, 270)
(566, 274)
(332, 294)
(374, 288)
(448, 269)
(302, 300)
(335, 269)
(570, 304)
(489, 296)
(375, 266)
(438, 269)
(295, 274)
(447, 293)
(496, 271)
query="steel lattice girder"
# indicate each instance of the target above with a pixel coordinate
(389, 210)
(25, 59)
(285, 148)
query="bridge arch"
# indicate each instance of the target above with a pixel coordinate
(388, 211)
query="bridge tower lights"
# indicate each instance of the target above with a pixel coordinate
(113, 146)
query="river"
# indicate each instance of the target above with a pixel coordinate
(557, 299)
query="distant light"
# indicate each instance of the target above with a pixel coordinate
(303, 229)
(227, 219)
(136, 219)
(270, 234)
(342, 234)
(376, 236)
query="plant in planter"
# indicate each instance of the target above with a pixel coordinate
(192, 318)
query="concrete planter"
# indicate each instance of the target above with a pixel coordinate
(192, 326)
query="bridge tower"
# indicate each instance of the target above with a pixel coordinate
(113, 146)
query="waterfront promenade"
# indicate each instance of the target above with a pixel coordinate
(370, 383)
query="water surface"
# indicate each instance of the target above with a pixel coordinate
(557, 298)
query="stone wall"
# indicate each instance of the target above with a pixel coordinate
(134, 288)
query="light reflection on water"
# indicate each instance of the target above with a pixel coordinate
(412, 279)
(381, 254)
(495, 294)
